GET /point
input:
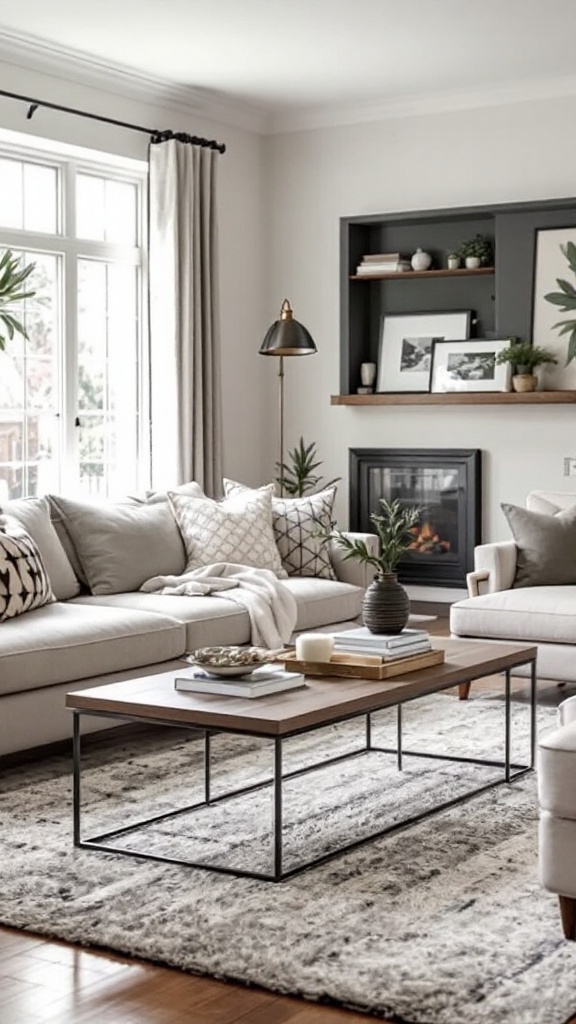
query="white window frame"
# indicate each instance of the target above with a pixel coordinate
(69, 161)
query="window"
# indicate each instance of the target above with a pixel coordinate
(73, 395)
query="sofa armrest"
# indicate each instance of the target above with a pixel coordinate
(494, 568)
(350, 570)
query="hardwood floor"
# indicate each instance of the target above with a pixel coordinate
(45, 982)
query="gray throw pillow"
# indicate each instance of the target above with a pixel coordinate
(121, 546)
(34, 515)
(546, 546)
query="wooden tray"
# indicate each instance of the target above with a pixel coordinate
(363, 666)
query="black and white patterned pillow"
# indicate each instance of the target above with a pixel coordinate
(24, 582)
(298, 525)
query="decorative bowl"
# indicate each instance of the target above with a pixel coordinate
(229, 661)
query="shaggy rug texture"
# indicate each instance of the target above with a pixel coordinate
(441, 923)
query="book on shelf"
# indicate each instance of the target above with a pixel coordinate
(386, 653)
(265, 680)
(383, 268)
(365, 637)
(382, 257)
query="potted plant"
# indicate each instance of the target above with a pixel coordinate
(12, 277)
(476, 251)
(524, 358)
(453, 259)
(386, 606)
(297, 476)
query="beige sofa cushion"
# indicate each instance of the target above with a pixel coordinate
(34, 515)
(207, 620)
(528, 615)
(214, 620)
(66, 641)
(121, 546)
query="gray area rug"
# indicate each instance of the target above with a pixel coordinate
(441, 923)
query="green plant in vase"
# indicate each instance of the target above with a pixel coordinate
(477, 251)
(386, 605)
(524, 358)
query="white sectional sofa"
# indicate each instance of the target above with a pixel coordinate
(108, 630)
(503, 605)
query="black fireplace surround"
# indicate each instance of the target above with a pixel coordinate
(445, 483)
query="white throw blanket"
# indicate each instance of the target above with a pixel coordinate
(270, 605)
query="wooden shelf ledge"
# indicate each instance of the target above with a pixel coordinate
(409, 275)
(459, 398)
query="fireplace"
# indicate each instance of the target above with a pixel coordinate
(445, 483)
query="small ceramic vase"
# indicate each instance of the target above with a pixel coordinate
(421, 260)
(453, 262)
(386, 606)
(368, 374)
(472, 262)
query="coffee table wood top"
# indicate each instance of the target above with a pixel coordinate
(324, 699)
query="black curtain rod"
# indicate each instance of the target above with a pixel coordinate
(155, 134)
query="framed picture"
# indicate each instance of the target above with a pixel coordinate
(469, 366)
(551, 264)
(406, 346)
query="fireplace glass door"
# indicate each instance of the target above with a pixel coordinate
(445, 485)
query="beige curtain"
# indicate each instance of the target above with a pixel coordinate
(185, 393)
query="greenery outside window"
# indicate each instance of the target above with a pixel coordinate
(73, 395)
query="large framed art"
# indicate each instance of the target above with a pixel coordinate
(551, 265)
(469, 366)
(406, 341)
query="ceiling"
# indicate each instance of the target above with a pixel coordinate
(295, 62)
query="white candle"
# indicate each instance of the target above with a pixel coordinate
(314, 647)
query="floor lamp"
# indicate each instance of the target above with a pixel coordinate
(286, 337)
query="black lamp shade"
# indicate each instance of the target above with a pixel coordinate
(287, 337)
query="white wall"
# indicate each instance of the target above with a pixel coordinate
(521, 152)
(244, 314)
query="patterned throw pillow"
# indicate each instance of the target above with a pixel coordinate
(238, 530)
(298, 525)
(24, 582)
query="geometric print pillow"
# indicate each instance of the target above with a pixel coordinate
(24, 582)
(297, 523)
(237, 530)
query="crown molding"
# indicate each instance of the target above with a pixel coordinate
(71, 65)
(332, 116)
(31, 53)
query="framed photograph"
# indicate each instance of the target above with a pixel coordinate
(406, 342)
(469, 366)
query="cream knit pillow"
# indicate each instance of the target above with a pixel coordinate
(236, 530)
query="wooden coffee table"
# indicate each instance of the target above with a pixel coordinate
(324, 701)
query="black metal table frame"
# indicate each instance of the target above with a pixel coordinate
(511, 772)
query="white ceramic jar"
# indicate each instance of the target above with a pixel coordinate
(421, 260)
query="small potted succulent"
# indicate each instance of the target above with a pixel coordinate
(477, 251)
(524, 358)
(453, 259)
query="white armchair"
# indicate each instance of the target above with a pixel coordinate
(557, 798)
(541, 615)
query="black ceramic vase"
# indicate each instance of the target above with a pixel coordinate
(386, 605)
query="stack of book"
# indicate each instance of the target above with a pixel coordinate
(264, 680)
(388, 646)
(383, 263)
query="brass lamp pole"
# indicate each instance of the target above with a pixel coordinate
(286, 337)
